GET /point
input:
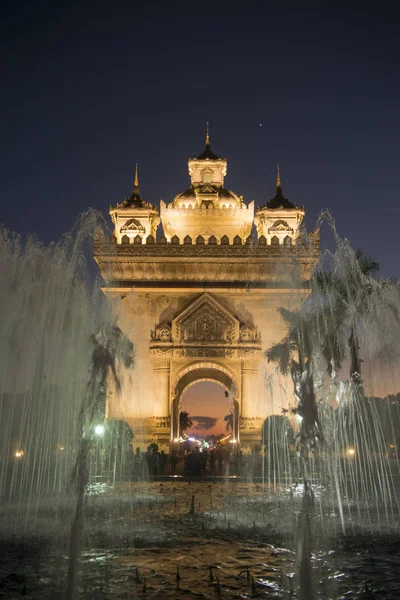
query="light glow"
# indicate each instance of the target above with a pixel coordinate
(19, 453)
(99, 430)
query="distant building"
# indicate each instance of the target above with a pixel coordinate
(200, 300)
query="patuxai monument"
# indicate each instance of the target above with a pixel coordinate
(197, 283)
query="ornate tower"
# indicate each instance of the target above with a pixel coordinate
(279, 220)
(134, 219)
(207, 209)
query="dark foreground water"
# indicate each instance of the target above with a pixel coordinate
(190, 540)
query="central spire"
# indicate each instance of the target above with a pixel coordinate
(278, 177)
(208, 153)
(136, 181)
(208, 135)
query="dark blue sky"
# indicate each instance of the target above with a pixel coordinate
(89, 88)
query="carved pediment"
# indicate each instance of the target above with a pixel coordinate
(207, 189)
(163, 332)
(205, 320)
(280, 226)
(133, 225)
(247, 333)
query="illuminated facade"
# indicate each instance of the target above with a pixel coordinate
(200, 300)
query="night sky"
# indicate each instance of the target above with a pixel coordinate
(88, 89)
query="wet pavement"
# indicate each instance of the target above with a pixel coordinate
(178, 539)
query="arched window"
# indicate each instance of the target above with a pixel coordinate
(207, 178)
(275, 240)
(287, 240)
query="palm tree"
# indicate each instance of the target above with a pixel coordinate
(344, 296)
(229, 421)
(294, 355)
(184, 421)
(110, 346)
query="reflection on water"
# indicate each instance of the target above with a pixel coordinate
(239, 543)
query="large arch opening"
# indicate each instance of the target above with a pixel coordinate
(217, 381)
(209, 408)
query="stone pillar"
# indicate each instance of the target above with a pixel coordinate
(236, 420)
(174, 418)
(250, 421)
(249, 389)
(160, 431)
(142, 436)
(161, 371)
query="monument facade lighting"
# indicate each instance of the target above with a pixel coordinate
(206, 292)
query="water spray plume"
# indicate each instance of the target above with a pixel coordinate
(326, 467)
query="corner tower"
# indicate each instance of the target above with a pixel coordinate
(279, 220)
(134, 218)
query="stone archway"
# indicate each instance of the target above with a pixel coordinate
(205, 340)
(204, 371)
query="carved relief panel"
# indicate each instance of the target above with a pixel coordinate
(203, 329)
(205, 320)
(248, 333)
(163, 332)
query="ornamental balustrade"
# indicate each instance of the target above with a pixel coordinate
(310, 240)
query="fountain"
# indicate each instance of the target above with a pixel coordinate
(317, 519)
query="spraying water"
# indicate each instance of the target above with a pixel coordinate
(109, 346)
(53, 370)
(349, 319)
(49, 310)
(59, 344)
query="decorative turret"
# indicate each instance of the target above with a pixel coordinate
(207, 167)
(279, 220)
(279, 200)
(207, 208)
(134, 216)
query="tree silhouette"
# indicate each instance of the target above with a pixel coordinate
(184, 421)
(294, 355)
(229, 421)
(344, 295)
(110, 346)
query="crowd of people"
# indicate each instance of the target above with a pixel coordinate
(187, 461)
